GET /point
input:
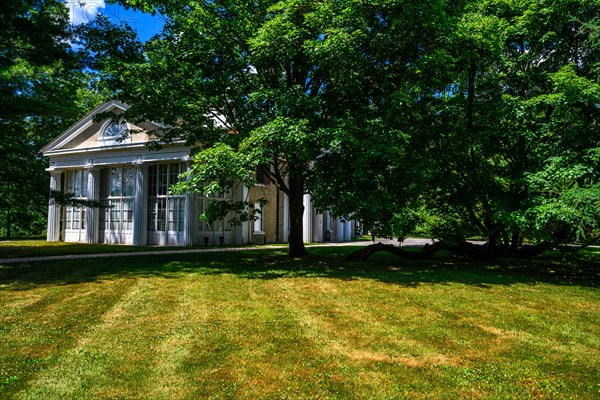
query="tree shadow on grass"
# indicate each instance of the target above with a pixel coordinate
(326, 262)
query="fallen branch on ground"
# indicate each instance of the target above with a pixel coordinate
(474, 251)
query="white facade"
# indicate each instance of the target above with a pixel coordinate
(90, 161)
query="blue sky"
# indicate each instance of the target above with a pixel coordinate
(84, 11)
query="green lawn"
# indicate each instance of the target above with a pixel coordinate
(41, 248)
(255, 324)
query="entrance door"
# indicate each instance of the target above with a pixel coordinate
(118, 187)
(74, 217)
(165, 211)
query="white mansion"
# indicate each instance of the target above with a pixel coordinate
(91, 161)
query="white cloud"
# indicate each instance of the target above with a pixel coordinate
(83, 11)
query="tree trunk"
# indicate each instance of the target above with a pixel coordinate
(296, 197)
(470, 93)
(492, 243)
(515, 241)
(427, 252)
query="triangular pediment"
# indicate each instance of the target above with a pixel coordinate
(88, 134)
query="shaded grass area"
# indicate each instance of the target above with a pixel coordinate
(41, 248)
(255, 324)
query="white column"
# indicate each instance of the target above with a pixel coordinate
(327, 227)
(307, 221)
(318, 228)
(348, 231)
(339, 230)
(140, 205)
(241, 233)
(190, 224)
(92, 214)
(285, 218)
(53, 229)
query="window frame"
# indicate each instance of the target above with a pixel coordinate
(165, 210)
(75, 183)
(116, 217)
(122, 132)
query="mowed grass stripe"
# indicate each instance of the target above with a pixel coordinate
(39, 323)
(116, 354)
(444, 334)
(360, 336)
(252, 325)
(167, 379)
(238, 347)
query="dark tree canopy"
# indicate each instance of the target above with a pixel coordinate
(513, 147)
(472, 118)
(42, 91)
(498, 130)
(266, 83)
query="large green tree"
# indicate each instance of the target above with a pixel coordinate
(483, 112)
(373, 170)
(257, 84)
(499, 116)
(506, 139)
(40, 94)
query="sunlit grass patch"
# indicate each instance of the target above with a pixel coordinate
(256, 324)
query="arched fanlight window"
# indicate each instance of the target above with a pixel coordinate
(114, 130)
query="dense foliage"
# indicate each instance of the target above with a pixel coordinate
(511, 148)
(42, 91)
(258, 80)
(474, 117)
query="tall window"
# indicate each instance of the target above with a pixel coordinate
(165, 211)
(118, 190)
(261, 175)
(75, 183)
